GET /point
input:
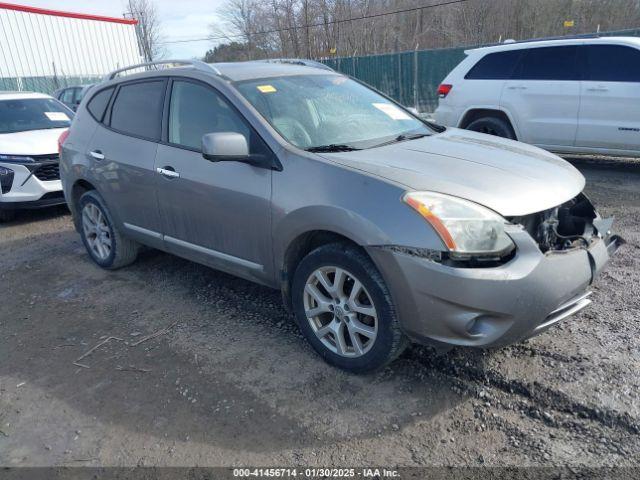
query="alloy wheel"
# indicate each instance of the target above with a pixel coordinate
(340, 311)
(96, 231)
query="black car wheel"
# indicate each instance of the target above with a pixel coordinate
(104, 242)
(345, 310)
(492, 126)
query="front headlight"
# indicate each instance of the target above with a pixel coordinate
(464, 227)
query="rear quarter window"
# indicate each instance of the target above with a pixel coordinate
(98, 103)
(611, 63)
(495, 66)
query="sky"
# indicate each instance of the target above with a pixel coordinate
(181, 19)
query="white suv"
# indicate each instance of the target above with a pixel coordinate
(30, 125)
(567, 96)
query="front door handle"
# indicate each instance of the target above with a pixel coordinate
(517, 87)
(97, 154)
(168, 172)
(598, 89)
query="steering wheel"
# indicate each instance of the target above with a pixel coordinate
(294, 131)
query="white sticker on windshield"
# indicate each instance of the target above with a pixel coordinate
(57, 116)
(392, 111)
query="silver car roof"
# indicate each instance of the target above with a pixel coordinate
(233, 71)
(239, 71)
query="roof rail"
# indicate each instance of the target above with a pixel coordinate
(197, 64)
(577, 36)
(510, 41)
(298, 61)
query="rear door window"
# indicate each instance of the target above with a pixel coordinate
(611, 63)
(548, 63)
(137, 109)
(495, 66)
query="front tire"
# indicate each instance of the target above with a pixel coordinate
(103, 240)
(344, 309)
(492, 126)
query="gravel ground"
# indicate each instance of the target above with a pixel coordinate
(233, 383)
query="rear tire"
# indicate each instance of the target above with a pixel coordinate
(7, 215)
(356, 326)
(106, 245)
(492, 126)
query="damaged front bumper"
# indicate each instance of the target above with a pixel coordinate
(487, 307)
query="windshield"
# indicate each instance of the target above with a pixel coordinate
(318, 111)
(33, 114)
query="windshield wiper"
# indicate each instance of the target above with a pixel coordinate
(402, 138)
(332, 148)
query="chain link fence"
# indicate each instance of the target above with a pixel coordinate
(44, 84)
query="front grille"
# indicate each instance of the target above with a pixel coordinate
(47, 172)
(46, 158)
(564, 227)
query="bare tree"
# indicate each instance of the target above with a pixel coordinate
(324, 28)
(148, 28)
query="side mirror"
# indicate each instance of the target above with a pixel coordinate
(233, 147)
(218, 147)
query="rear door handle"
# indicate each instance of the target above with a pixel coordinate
(97, 154)
(168, 172)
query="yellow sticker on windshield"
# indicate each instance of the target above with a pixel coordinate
(267, 88)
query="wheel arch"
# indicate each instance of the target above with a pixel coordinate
(299, 247)
(79, 188)
(308, 227)
(474, 113)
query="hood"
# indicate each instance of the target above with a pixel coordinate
(32, 142)
(509, 177)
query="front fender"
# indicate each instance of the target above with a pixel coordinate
(363, 208)
(333, 219)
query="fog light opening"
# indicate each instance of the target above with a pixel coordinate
(474, 328)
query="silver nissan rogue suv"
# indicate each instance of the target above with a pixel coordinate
(378, 227)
